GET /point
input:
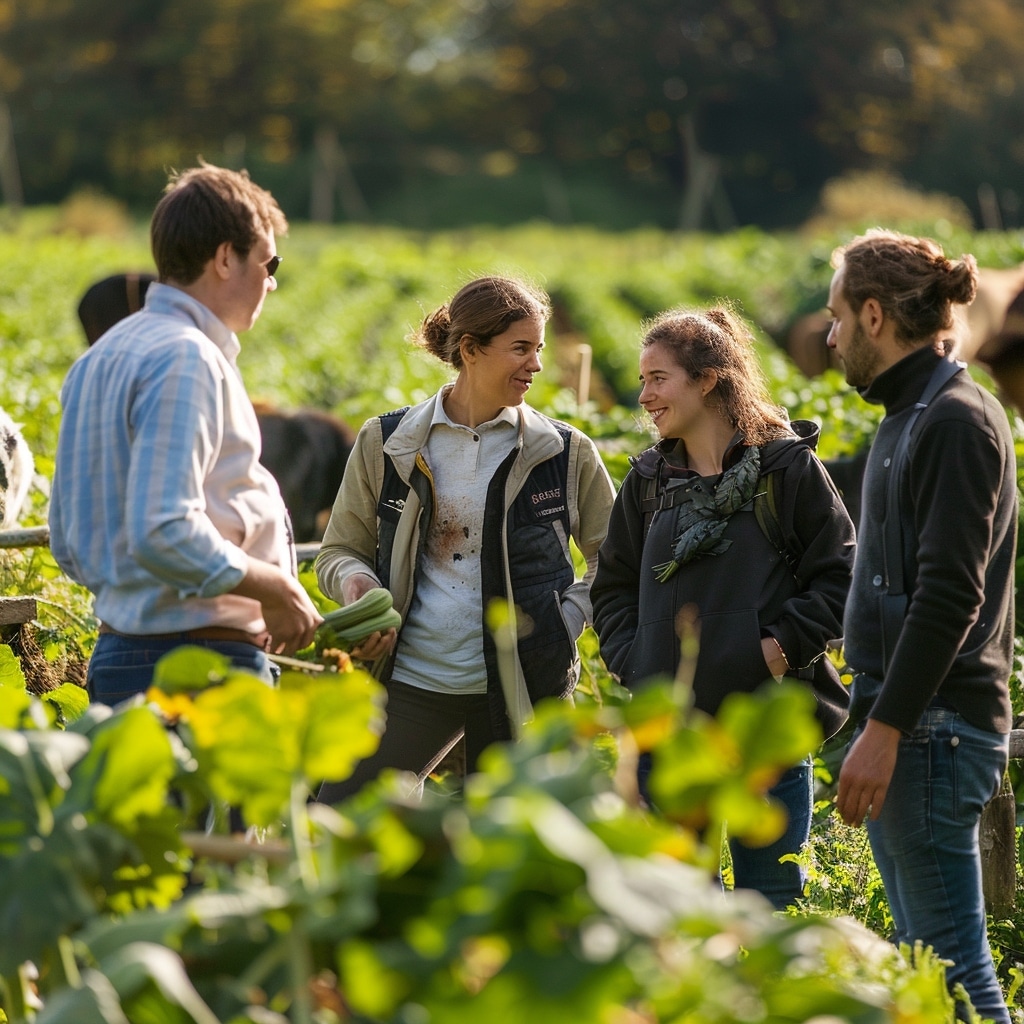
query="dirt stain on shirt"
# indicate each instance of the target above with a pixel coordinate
(449, 534)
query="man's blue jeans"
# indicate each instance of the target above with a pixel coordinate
(925, 843)
(121, 667)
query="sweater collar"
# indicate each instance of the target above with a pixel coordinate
(671, 452)
(902, 384)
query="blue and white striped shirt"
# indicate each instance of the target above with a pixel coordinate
(157, 489)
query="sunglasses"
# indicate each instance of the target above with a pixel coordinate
(272, 264)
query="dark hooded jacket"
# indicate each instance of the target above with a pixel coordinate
(738, 596)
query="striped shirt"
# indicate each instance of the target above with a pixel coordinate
(157, 489)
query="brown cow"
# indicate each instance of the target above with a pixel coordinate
(110, 300)
(805, 344)
(993, 334)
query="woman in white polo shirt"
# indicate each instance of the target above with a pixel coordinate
(468, 497)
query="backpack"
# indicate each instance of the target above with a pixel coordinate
(766, 511)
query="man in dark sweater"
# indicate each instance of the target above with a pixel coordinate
(930, 684)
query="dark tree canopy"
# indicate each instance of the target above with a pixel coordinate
(685, 113)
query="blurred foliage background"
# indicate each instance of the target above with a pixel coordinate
(678, 114)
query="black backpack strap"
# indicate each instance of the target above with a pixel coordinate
(391, 500)
(652, 498)
(766, 511)
(393, 488)
(390, 420)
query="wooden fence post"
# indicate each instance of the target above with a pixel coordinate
(16, 611)
(998, 842)
(25, 537)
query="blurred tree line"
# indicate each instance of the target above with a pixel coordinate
(677, 113)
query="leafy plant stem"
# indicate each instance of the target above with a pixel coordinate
(300, 835)
(300, 965)
(42, 805)
(275, 956)
(68, 962)
(714, 839)
(14, 997)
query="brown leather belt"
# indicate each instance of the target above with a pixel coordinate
(225, 633)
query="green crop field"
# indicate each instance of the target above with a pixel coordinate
(542, 894)
(334, 334)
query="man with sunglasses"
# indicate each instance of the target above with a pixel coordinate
(160, 506)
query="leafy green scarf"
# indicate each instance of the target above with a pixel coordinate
(701, 521)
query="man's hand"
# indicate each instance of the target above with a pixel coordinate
(378, 644)
(291, 618)
(866, 773)
(773, 657)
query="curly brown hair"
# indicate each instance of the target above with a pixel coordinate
(718, 339)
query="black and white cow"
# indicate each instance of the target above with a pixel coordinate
(17, 468)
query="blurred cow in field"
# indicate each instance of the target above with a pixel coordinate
(805, 342)
(110, 300)
(993, 330)
(305, 450)
(17, 468)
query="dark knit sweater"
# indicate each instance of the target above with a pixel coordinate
(958, 502)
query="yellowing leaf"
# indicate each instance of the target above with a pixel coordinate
(14, 702)
(137, 765)
(255, 742)
(190, 668)
(344, 725)
(774, 725)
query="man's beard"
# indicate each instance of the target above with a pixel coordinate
(861, 361)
